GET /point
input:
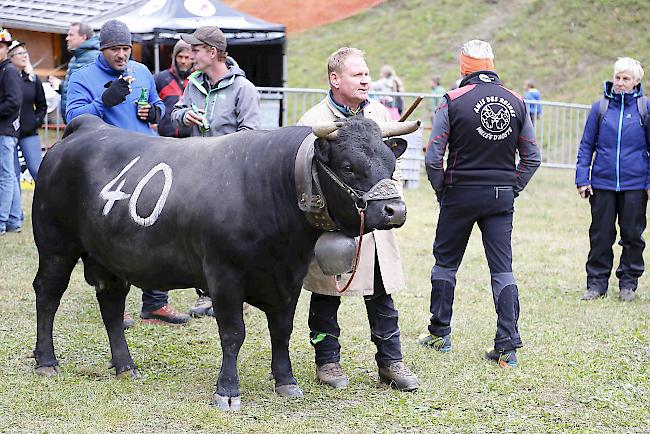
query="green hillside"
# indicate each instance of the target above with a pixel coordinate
(567, 46)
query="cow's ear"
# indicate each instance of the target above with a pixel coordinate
(322, 150)
(397, 145)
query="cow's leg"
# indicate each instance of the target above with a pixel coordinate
(111, 293)
(228, 311)
(50, 283)
(280, 328)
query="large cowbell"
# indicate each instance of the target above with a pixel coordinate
(335, 253)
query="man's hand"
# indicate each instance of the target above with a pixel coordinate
(148, 113)
(585, 191)
(117, 91)
(193, 118)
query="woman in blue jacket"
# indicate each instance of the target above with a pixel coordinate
(617, 180)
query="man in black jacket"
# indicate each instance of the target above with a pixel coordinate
(11, 98)
(484, 125)
(170, 84)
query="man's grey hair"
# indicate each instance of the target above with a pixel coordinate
(478, 49)
(84, 29)
(337, 59)
(631, 65)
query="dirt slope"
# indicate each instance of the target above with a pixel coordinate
(299, 15)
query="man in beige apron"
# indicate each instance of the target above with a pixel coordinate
(379, 273)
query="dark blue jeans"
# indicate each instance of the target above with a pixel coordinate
(153, 299)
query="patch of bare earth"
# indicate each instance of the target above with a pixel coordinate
(299, 15)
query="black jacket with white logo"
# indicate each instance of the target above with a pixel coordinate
(484, 124)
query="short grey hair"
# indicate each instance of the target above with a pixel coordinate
(84, 29)
(337, 59)
(478, 49)
(631, 65)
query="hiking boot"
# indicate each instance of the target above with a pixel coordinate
(399, 376)
(591, 294)
(438, 343)
(127, 320)
(332, 374)
(505, 359)
(166, 314)
(627, 294)
(202, 306)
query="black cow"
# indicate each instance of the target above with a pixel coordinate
(220, 214)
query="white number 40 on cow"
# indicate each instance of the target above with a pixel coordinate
(112, 196)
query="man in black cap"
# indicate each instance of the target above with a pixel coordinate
(110, 88)
(218, 100)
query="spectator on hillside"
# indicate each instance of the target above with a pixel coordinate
(170, 84)
(84, 47)
(379, 272)
(217, 100)
(32, 112)
(11, 98)
(485, 126)
(617, 180)
(110, 88)
(531, 93)
(389, 82)
(438, 92)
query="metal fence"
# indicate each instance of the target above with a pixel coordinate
(558, 129)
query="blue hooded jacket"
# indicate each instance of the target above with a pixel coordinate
(621, 145)
(87, 86)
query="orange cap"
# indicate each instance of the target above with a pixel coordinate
(470, 64)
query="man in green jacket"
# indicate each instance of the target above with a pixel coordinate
(217, 100)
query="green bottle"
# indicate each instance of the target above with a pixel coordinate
(144, 98)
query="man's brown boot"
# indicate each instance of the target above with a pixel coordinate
(166, 314)
(332, 374)
(398, 376)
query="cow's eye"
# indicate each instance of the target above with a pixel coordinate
(348, 169)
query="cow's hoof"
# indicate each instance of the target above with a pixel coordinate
(48, 371)
(289, 390)
(131, 374)
(227, 403)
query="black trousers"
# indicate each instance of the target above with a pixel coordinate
(492, 209)
(630, 208)
(382, 317)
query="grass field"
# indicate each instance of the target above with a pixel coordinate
(568, 46)
(585, 367)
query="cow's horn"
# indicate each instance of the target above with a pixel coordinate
(326, 130)
(391, 129)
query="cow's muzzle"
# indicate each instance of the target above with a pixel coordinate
(394, 213)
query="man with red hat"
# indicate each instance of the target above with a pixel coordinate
(11, 99)
(484, 125)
